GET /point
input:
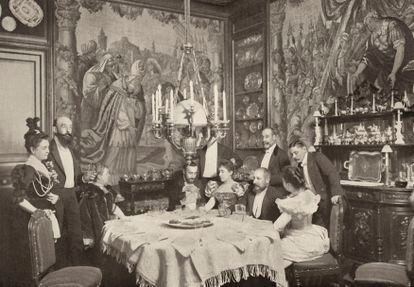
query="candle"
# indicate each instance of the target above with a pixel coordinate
(224, 107)
(185, 94)
(336, 107)
(153, 107)
(191, 93)
(172, 105)
(373, 102)
(392, 100)
(352, 105)
(167, 107)
(215, 103)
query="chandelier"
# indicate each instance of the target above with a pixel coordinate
(187, 124)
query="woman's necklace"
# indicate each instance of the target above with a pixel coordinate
(44, 189)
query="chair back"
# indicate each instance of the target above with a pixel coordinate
(41, 243)
(336, 228)
(409, 255)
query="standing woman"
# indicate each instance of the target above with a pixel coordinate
(33, 190)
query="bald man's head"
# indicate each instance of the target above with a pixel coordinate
(261, 179)
(63, 130)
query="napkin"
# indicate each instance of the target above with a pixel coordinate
(237, 238)
(184, 245)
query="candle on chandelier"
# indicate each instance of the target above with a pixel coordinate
(352, 105)
(185, 94)
(336, 107)
(153, 107)
(172, 105)
(215, 103)
(373, 102)
(191, 93)
(167, 107)
(224, 107)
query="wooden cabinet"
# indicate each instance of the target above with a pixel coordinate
(249, 75)
(377, 216)
(377, 222)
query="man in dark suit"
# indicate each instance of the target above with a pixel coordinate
(273, 158)
(320, 176)
(67, 167)
(210, 156)
(185, 188)
(261, 198)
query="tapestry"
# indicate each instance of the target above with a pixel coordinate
(326, 50)
(123, 54)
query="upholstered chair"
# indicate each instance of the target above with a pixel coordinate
(42, 252)
(389, 274)
(327, 268)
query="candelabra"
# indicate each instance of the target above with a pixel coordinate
(187, 124)
(398, 124)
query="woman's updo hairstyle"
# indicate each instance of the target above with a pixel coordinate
(294, 176)
(226, 164)
(34, 135)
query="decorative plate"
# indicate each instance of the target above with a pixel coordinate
(246, 100)
(253, 128)
(260, 125)
(253, 81)
(26, 11)
(258, 56)
(8, 23)
(252, 141)
(252, 110)
(241, 113)
(364, 166)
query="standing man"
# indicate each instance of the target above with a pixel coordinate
(320, 176)
(185, 188)
(274, 158)
(261, 199)
(69, 175)
(209, 157)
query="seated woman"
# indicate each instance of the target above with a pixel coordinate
(302, 240)
(97, 205)
(33, 185)
(225, 172)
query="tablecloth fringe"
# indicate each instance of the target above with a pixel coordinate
(118, 255)
(244, 272)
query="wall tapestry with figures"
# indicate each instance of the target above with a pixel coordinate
(324, 50)
(108, 65)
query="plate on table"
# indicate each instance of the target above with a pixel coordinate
(191, 222)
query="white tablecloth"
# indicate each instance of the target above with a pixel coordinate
(232, 249)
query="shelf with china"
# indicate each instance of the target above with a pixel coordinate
(371, 146)
(250, 108)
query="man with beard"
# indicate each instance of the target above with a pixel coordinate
(69, 175)
(185, 188)
(273, 158)
(261, 198)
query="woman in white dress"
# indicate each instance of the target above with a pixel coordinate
(301, 240)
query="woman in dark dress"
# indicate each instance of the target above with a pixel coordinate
(33, 190)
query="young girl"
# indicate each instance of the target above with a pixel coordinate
(302, 240)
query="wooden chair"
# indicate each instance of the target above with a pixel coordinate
(42, 253)
(317, 272)
(389, 274)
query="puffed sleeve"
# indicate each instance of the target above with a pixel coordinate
(304, 203)
(22, 175)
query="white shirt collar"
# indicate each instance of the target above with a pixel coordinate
(305, 159)
(271, 149)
